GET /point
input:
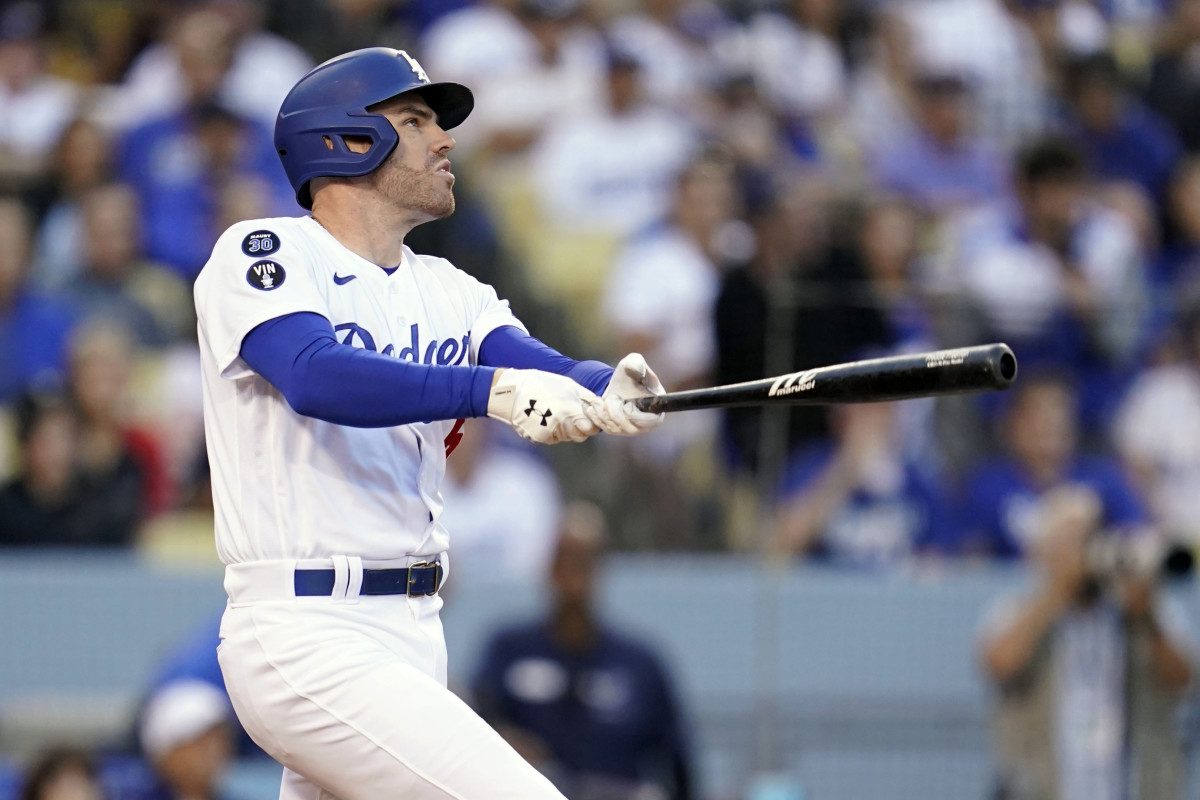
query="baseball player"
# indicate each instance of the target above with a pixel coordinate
(337, 365)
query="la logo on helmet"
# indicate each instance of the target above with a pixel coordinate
(412, 62)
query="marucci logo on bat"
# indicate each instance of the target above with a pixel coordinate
(946, 358)
(793, 383)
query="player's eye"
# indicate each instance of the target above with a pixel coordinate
(413, 121)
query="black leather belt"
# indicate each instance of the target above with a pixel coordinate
(422, 578)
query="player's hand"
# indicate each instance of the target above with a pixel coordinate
(631, 379)
(543, 407)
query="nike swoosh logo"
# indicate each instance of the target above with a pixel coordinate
(339, 280)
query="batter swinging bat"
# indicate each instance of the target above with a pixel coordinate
(876, 380)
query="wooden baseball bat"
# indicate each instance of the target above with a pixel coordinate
(875, 380)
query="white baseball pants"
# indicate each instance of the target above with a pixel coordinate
(349, 694)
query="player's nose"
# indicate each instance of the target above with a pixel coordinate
(443, 142)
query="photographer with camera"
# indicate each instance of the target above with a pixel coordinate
(1089, 666)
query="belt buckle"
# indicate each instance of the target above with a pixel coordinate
(412, 578)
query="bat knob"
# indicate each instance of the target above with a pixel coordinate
(1004, 365)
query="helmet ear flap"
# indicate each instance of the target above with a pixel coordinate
(322, 150)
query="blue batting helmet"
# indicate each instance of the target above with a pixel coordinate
(332, 101)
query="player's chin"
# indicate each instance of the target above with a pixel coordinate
(443, 209)
(447, 204)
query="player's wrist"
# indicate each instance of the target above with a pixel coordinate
(484, 383)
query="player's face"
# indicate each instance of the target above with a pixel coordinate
(417, 176)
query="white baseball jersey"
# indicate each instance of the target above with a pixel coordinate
(286, 486)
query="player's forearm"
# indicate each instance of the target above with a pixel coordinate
(322, 378)
(349, 386)
(511, 347)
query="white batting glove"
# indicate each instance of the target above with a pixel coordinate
(543, 407)
(631, 379)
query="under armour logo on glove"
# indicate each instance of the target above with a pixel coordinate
(533, 410)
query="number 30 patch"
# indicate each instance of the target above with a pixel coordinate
(260, 243)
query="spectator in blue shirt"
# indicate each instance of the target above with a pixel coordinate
(1122, 138)
(591, 707)
(1057, 275)
(177, 166)
(943, 165)
(1005, 495)
(179, 163)
(855, 500)
(34, 328)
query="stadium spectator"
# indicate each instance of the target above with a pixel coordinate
(658, 301)
(1064, 29)
(117, 284)
(35, 106)
(803, 300)
(327, 28)
(50, 503)
(187, 736)
(1178, 269)
(612, 170)
(592, 707)
(257, 67)
(122, 462)
(1089, 670)
(776, 45)
(757, 142)
(855, 501)
(1057, 275)
(879, 95)
(1005, 494)
(890, 239)
(503, 505)
(659, 297)
(179, 162)
(1122, 139)
(1157, 433)
(529, 62)
(991, 43)
(943, 165)
(82, 161)
(674, 39)
(194, 659)
(61, 773)
(34, 327)
(1173, 89)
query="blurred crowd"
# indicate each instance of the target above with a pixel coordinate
(735, 189)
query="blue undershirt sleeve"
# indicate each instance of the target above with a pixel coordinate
(320, 377)
(509, 346)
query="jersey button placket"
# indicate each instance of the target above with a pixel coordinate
(398, 323)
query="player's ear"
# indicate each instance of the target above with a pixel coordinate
(355, 144)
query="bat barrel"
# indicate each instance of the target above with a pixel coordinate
(941, 372)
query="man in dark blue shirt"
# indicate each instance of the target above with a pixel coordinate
(1005, 495)
(592, 708)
